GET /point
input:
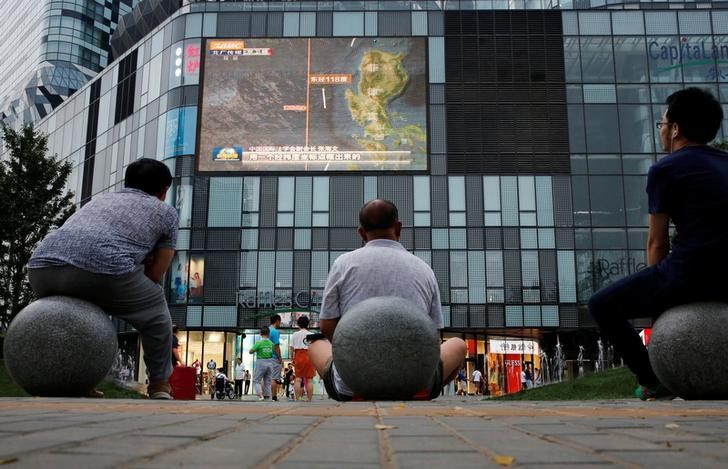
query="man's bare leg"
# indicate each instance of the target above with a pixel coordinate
(298, 388)
(319, 353)
(452, 354)
(309, 389)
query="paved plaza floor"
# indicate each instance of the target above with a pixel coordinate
(448, 432)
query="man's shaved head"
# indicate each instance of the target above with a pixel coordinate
(378, 214)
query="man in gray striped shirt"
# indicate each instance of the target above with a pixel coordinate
(113, 252)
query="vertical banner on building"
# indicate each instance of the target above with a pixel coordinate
(496, 370)
(513, 370)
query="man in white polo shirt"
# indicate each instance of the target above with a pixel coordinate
(383, 267)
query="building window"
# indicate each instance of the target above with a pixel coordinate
(126, 87)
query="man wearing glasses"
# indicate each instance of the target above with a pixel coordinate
(690, 187)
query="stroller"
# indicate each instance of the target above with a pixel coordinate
(223, 388)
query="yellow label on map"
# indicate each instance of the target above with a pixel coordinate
(227, 45)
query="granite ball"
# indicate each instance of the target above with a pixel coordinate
(60, 346)
(386, 348)
(687, 349)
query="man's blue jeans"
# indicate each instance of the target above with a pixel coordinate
(647, 294)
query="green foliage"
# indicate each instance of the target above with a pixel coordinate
(610, 384)
(721, 144)
(33, 202)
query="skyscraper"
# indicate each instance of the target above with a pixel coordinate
(51, 48)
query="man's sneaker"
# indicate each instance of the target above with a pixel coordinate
(95, 393)
(275, 398)
(658, 393)
(159, 390)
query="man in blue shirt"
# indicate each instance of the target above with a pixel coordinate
(690, 187)
(275, 337)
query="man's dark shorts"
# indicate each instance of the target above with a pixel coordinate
(432, 392)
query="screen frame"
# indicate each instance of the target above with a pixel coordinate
(379, 172)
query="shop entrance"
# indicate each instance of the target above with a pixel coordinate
(207, 351)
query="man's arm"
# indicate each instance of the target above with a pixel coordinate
(328, 326)
(277, 349)
(157, 263)
(330, 312)
(177, 356)
(657, 237)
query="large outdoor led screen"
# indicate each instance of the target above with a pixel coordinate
(314, 105)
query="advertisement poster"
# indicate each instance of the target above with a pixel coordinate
(513, 370)
(183, 204)
(496, 368)
(318, 104)
(196, 282)
(180, 275)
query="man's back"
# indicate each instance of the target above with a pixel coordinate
(381, 268)
(691, 186)
(110, 235)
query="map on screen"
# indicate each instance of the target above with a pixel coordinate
(324, 104)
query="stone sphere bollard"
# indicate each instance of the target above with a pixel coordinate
(60, 346)
(687, 350)
(385, 348)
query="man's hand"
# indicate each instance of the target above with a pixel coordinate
(157, 262)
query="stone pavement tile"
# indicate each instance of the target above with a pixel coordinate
(28, 426)
(470, 423)
(219, 458)
(322, 435)
(418, 460)
(273, 429)
(348, 423)
(529, 449)
(146, 422)
(609, 442)
(554, 428)
(71, 434)
(714, 427)
(662, 434)
(320, 465)
(582, 465)
(667, 459)
(612, 423)
(341, 452)
(293, 420)
(238, 450)
(200, 427)
(42, 459)
(700, 449)
(136, 445)
(412, 426)
(23, 444)
(442, 443)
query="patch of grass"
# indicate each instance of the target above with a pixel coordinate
(611, 384)
(113, 391)
(8, 388)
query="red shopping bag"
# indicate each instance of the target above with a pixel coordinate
(183, 383)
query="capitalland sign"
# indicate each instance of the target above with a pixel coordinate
(700, 53)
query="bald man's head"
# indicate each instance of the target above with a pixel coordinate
(379, 216)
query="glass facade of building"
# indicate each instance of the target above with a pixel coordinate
(52, 48)
(540, 133)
